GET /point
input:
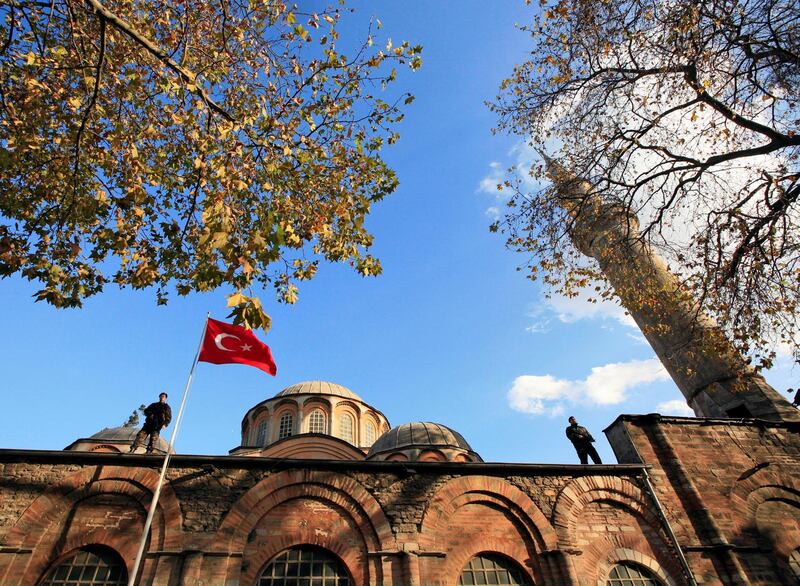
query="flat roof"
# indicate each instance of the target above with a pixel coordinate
(11, 456)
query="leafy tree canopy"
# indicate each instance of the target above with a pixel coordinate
(188, 146)
(687, 114)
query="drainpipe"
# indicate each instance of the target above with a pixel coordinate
(661, 513)
(684, 479)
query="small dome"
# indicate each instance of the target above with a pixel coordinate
(420, 435)
(318, 387)
(116, 433)
(119, 438)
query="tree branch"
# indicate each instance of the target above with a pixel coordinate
(188, 76)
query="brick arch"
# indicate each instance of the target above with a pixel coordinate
(35, 527)
(570, 505)
(765, 474)
(787, 538)
(497, 494)
(342, 491)
(623, 554)
(579, 492)
(315, 401)
(351, 404)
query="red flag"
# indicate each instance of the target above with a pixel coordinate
(227, 343)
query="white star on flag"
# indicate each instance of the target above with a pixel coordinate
(246, 347)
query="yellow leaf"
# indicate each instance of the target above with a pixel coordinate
(236, 299)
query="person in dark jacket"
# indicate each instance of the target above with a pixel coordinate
(582, 440)
(157, 416)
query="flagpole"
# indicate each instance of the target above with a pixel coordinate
(154, 502)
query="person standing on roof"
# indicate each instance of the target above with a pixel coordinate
(582, 440)
(157, 416)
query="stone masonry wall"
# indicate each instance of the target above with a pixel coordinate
(221, 519)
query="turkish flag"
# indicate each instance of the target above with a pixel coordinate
(230, 344)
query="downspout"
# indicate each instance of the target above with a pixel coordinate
(727, 557)
(661, 513)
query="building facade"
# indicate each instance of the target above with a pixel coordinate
(323, 492)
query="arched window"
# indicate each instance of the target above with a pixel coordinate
(369, 434)
(304, 565)
(88, 567)
(492, 569)
(261, 434)
(346, 428)
(316, 422)
(285, 425)
(630, 574)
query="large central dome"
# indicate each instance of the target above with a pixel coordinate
(311, 419)
(319, 387)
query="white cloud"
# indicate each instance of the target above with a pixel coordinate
(675, 407)
(606, 385)
(529, 393)
(572, 309)
(495, 177)
(538, 327)
(493, 212)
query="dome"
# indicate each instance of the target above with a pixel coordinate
(412, 437)
(318, 387)
(113, 439)
(116, 434)
(311, 408)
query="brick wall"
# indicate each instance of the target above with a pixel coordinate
(730, 490)
(221, 519)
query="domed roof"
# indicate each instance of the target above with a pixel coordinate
(124, 435)
(116, 433)
(319, 387)
(419, 434)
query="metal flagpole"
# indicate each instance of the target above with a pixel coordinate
(154, 502)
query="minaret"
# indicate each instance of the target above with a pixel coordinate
(709, 371)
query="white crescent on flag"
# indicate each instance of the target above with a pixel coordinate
(218, 341)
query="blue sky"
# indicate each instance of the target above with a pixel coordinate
(443, 335)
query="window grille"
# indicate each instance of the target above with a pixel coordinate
(628, 574)
(285, 425)
(88, 568)
(369, 434)
(316, 422)
(261, 434)
(303, 566)
(794, 564)
(346, 428)
(492, 569)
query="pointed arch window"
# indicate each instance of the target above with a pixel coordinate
(316, 422)
(285, 425)
(88, 567)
